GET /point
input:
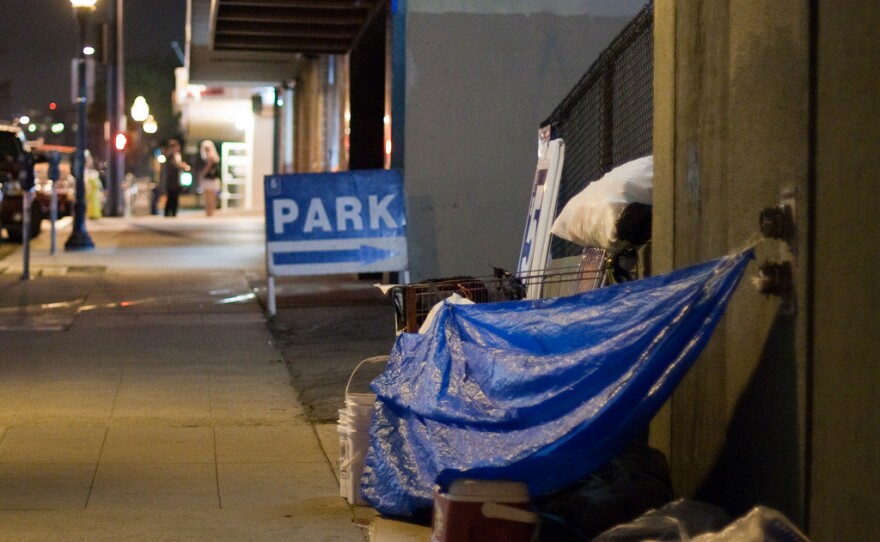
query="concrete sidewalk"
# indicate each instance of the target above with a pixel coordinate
(142, 397)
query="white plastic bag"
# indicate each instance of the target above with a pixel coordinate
(455, 299)
(761, 524)
(677, 521)
(590, 217)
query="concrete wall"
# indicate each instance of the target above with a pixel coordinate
(731, 136)
(261, 157)
(480, 78)
(308, 116)
(779, 409)
(845, 466)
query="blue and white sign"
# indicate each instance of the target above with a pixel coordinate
(329, 223)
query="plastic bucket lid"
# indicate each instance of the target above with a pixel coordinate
(359, 410)
(360, 399)
(360, 425)
(359, 402)
(354, 431)
(359, 437)
(345, 421)
(503, 491)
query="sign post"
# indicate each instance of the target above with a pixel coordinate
(332, 223)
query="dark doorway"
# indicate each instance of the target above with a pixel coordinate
(367, 100)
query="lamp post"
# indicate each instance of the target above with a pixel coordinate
(79, 238)
(115, 205)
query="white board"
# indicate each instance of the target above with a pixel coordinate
(535, 253)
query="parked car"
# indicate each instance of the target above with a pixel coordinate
(65, 185)
(13, 147)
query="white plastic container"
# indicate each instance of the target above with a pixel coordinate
(358, 442)
(343, 462)
(353, 428)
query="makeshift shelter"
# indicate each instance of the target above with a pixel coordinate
(540, 391)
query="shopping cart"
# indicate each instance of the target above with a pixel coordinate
(594, 268)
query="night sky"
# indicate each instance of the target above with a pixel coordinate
(38, 39)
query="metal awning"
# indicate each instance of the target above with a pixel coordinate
(290, 26)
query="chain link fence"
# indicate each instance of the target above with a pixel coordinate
(607, 119)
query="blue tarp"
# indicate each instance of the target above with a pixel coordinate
(541, 391)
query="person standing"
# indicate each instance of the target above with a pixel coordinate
(170, 178)
(94, 189)
(209, 176)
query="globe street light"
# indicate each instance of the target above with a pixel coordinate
(140, 112)
(79, 238)
(150, 125)
(140, 109)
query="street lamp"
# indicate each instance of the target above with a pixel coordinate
(79, 238)
(150, 125)
(140, 109)
(140, 112)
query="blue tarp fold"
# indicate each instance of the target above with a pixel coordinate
(541, 391)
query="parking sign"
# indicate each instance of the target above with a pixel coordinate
(329, 223)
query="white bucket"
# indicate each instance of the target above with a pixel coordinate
(354, 437)
(358, 442)
(360, 399)
(343, 418)
(357, 413)
(343, 464)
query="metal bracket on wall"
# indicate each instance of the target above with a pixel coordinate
(774, 279)
(779, 222)
(777, 278)
(776, 222)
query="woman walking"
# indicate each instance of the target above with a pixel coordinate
(209, 178)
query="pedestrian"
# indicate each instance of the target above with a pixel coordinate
(209, 178)
(94, 189)
(170, 176)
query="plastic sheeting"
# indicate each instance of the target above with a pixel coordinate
(540, 391)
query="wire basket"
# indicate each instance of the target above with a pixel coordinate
(593, 269)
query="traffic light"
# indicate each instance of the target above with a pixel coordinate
(121, 141)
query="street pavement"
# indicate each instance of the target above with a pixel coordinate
(143, 397)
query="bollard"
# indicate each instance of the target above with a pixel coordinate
(53, 213)
(26, 233)
(54, 174)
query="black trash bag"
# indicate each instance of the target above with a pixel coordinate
(635, 481)
(634, 224)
